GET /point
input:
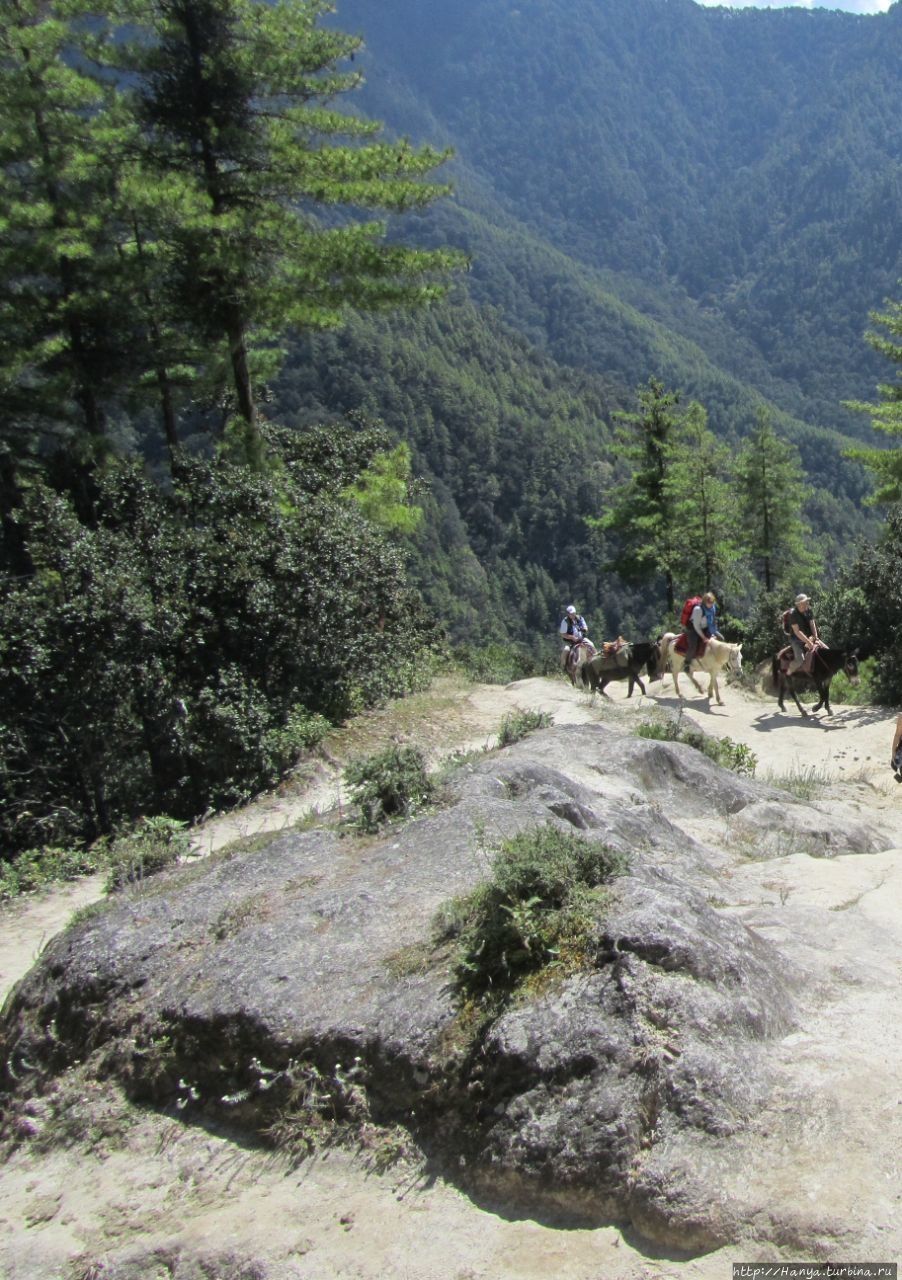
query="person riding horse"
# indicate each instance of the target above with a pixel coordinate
(803, 635)
(575, 632)
(702, 625)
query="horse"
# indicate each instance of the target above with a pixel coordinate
(575, 658)
(625, 664)
(718, 656)
(824, 666)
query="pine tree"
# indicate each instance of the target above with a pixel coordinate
(63, 331)
(698, 493)
(641, 515)
(233, 97)
(886, 414)
(772, 492)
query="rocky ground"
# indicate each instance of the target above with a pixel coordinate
(132, 1194)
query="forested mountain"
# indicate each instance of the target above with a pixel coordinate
(248, 388)
(645, 188)
(739, 171)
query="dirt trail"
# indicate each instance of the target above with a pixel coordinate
(178, 1189)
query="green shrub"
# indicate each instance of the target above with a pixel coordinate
(163, 650)
(517, 724)
(536, 911)
(153, 845)
(496, 663)
(388, 784)
(723, 751)
(34, 868)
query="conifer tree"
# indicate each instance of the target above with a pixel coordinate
(263, 232)
(641, 512)
(703, 545)
(772, 492)
(886, 414)
(63, 332)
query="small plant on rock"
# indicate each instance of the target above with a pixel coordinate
(723, 751)
(389, 784)
(537, 910)
(517, 724)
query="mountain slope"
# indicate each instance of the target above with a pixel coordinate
(747, 164)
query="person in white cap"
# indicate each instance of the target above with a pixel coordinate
(802, 632)
(575, 632)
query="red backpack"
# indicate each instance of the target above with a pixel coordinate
(687, 610)
(784, 618)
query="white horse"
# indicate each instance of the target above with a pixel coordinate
(718, 655)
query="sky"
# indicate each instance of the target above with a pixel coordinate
(848, 6)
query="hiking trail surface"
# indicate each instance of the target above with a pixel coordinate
(132, 1194)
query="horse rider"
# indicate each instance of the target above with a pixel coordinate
(694, 630)
(709, 609)
(575, 632)
(802, 633)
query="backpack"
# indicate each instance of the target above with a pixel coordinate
(687, 610)
(784, 618)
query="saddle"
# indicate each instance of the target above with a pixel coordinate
(573, 654)
(616, 650)
(681, 644)
(786, 655)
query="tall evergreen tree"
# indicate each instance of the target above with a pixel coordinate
(641, 512)
(233, 96)
(886, 414)
(697, 489)
(771, 493)
(63, 329)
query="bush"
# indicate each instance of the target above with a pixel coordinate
(153, 845)
(537, 910)
(35, 868)
(517, 724)
(723, 751)
(166, 652)
(496, 663)
(388, 784)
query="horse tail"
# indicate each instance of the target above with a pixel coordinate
(775, 670)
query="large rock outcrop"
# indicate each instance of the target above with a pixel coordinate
(620, 1092)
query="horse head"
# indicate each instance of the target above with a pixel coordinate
(736, 659)
(850, 667)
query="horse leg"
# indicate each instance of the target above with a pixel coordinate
(635, 680)
(688, 669)
(795, 698)
(675, 672)
(714, 687)
(823, 700)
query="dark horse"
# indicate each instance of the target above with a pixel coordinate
(824, 667)
(627, 663)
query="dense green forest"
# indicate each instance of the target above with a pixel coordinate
(295, 406)
(738, 172)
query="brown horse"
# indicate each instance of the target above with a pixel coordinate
(824, 666)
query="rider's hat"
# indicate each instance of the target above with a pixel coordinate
(571, 608)
(801, 598)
